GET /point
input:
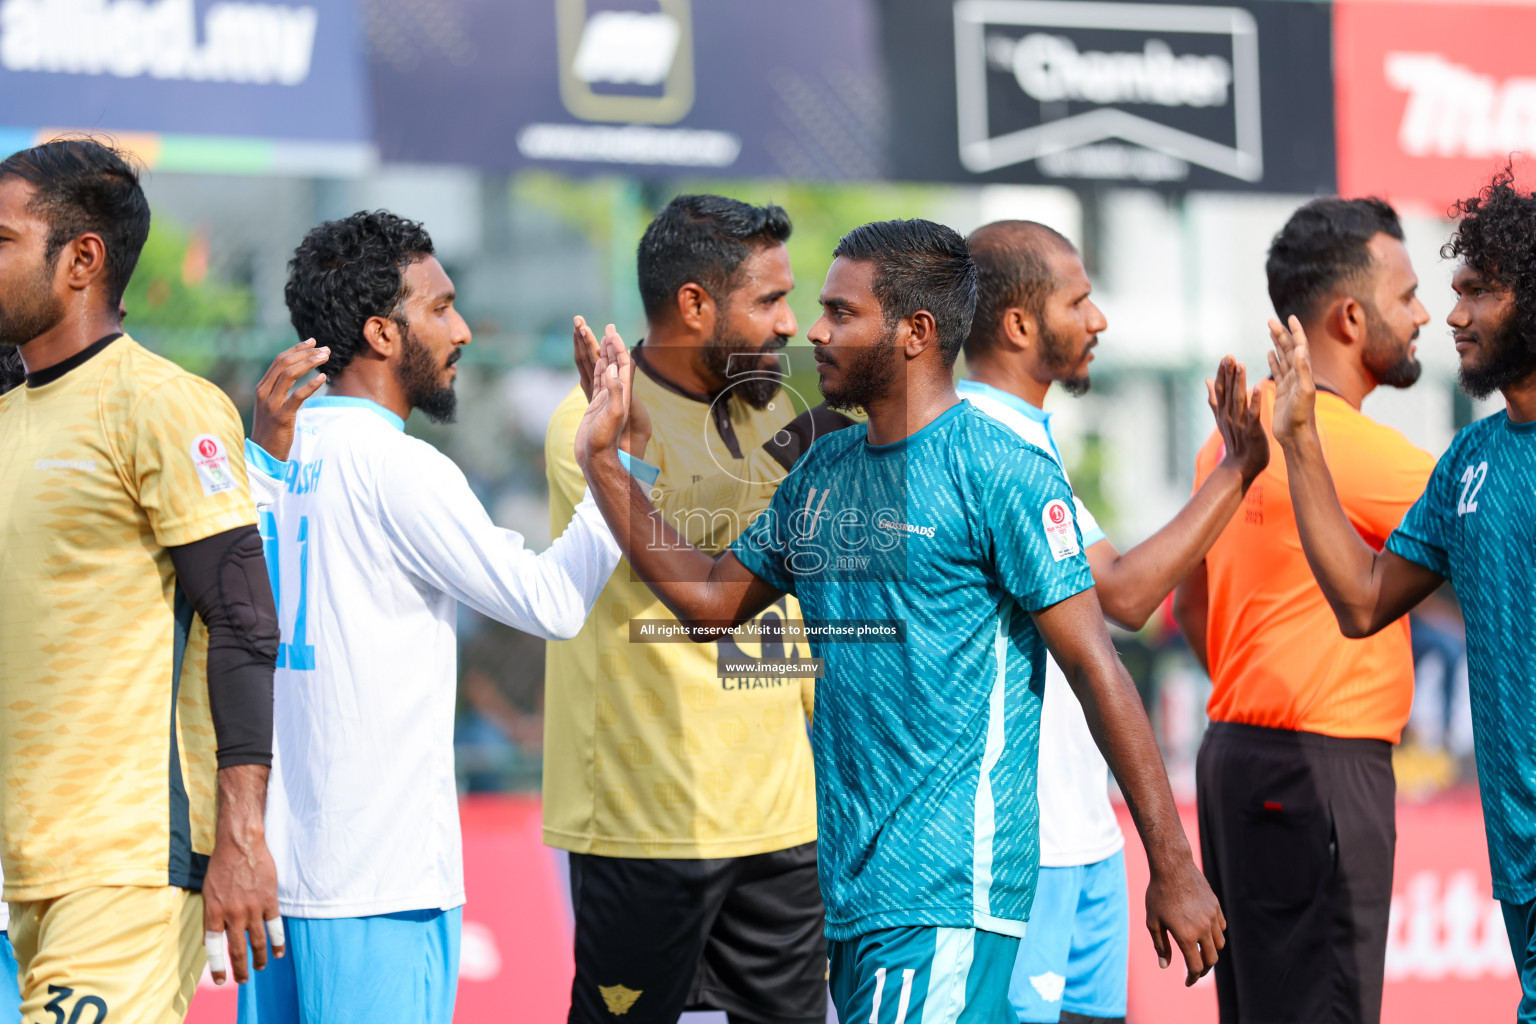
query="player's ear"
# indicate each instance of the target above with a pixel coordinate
(1350, 322)
(1019, 328)
(84, 261)
(696, 308)
(922, 333)
(382, 335)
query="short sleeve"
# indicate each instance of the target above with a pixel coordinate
(1033, 535)
(185, 457)
(1421, 535)
(764, 546)
(1378, 490)
(1087, 525)
(266, 474)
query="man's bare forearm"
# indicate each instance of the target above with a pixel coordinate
(1076, 635)
(242, 805)
(1133, 585)
(1346, 568)
(1120, 728)
(685, 579)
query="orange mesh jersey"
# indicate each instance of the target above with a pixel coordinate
(1276, 654)
(107, 751)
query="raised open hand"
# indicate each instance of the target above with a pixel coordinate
(604, 423)
(1295, 393)
(1237, 419)
(587, 352)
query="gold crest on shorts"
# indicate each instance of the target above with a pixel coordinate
(618, 998)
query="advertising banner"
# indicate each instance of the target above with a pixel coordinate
(788, 89)
(1209, 96)
(1447, 952)
(190, 73)
(515, 956)
(1432, 97)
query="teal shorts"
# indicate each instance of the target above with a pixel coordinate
(922, 975)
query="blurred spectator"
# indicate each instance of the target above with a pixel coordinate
(499, 736)
(1437, 745)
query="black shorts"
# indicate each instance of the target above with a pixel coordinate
(657, 937)
(1297, 833)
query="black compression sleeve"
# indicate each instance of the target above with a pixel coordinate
(225, 579)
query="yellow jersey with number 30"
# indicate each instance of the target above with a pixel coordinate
(107, 751)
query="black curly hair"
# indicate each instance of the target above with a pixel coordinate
(1497, 238)
(348, 271)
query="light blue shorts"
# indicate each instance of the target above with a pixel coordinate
(1074, 955)
(387, 969)
(10, 982)
(922, 976)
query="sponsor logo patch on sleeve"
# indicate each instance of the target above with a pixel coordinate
(1060, 536)
(212, 462)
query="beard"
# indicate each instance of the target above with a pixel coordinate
(1059, 360)
(421, 377)
(1507, 360)
(1391, 364)
(868, 374)
(756, 389)
(32, 311)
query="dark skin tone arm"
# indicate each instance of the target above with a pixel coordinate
(1178, 899)
(1367, 589)
(240, 889)
(1131, 585)
(708, 595)
(278, 401)
(714, 594)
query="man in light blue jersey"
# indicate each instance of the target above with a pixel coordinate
(1472, 526)
(936, 556)
(373, 540)
(1035, 326)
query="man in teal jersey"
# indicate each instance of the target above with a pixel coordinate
(937, 554)
(1472, 526)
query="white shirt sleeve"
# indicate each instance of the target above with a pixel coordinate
(442, 534)
(265, 473)
(1092, 532)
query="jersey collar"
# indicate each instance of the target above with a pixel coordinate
(1012, 401)
(719, 412)
(59, 369)
(347, 402)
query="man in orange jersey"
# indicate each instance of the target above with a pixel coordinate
(1294, 776)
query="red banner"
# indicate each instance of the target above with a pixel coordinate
(515, 962)
(1431, 98)
(1447, 954)
(1447, 959)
